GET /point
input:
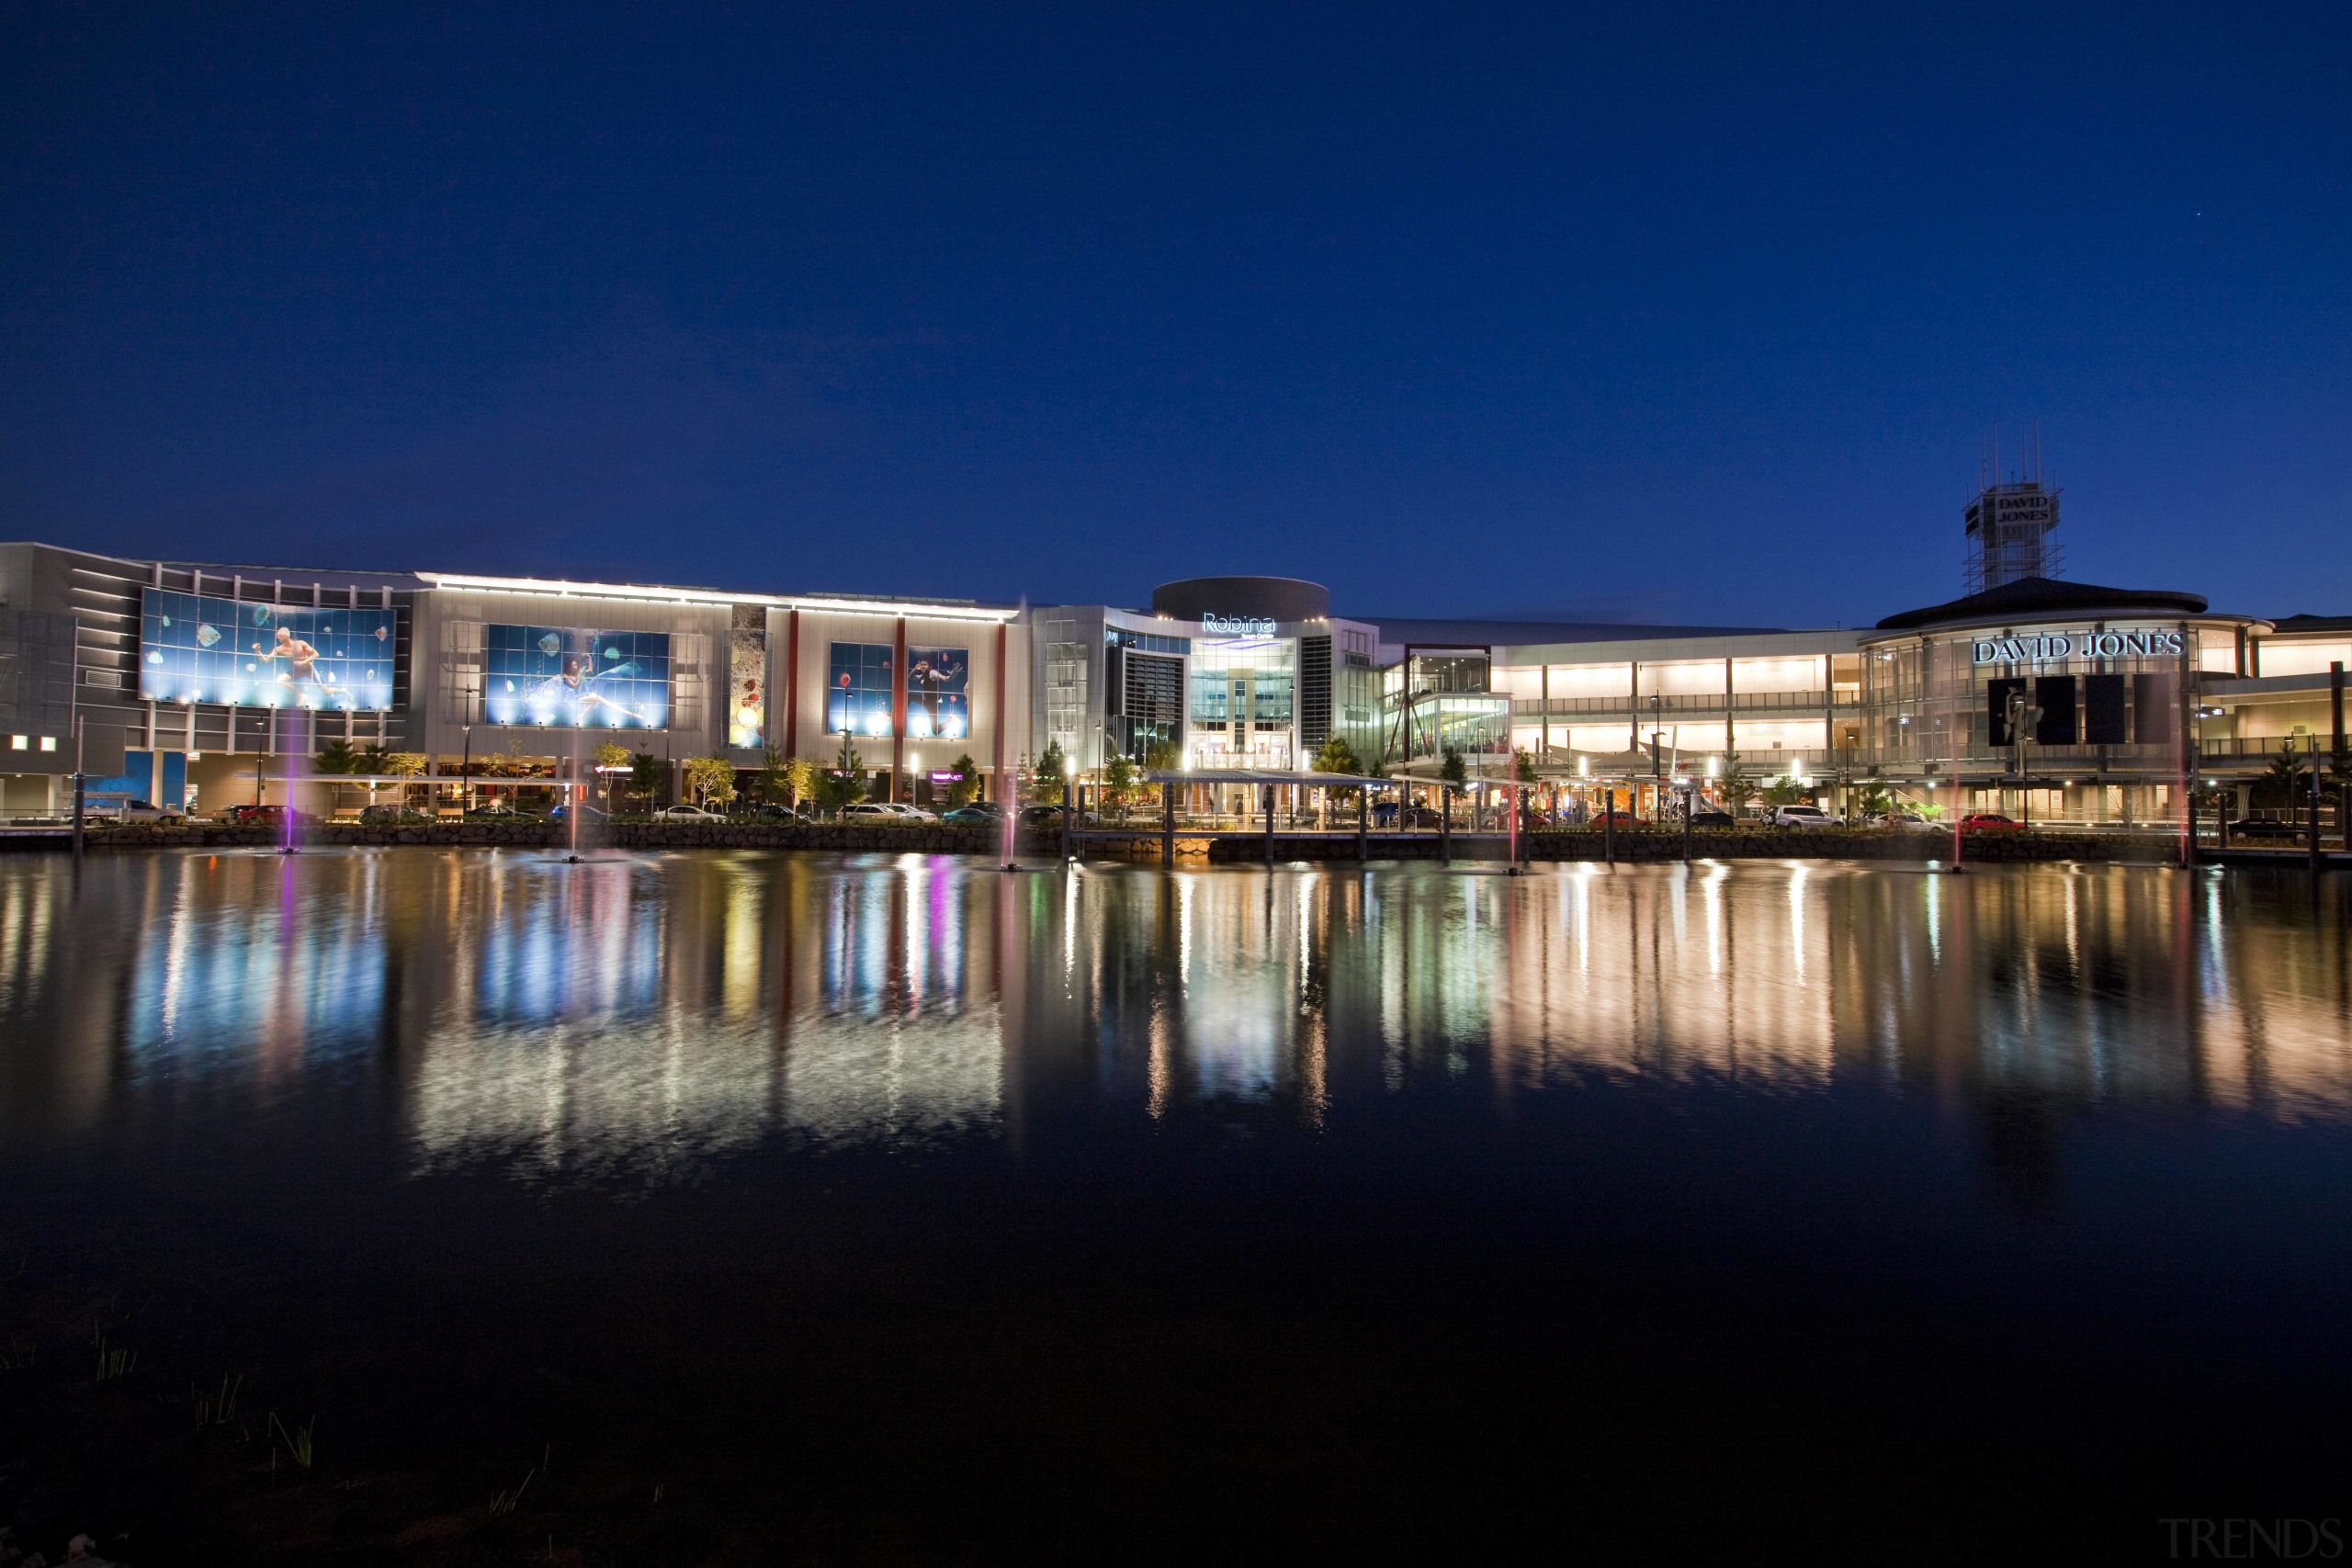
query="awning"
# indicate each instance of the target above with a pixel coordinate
(1261, 776)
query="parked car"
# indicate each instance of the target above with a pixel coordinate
(1989, 822)
(770, 811)
(1911, 821)
(905, 813)
(587, 813)
(2264, 828)
(1385, 816)
(869, 811)
(1040, 816)
(145, 811)
(1621, 821)
(262, 816)
(683, 812)
(1800, 816)
(1712, 819)
(499, 813)
(978, 814)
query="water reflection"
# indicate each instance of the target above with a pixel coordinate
(640, 1017)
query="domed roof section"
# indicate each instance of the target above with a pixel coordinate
(2034, 598)
(1263, 598)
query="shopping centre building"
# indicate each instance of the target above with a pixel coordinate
(213, 686)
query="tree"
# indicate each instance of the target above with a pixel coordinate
(336, 757)
(608, 758)
(844, 782)
(711, 780)
(645, 776)
(1452, 769)
(1045, 784)
(1522, 766)
(2283, 783)
(775, 775)
(1119, 780)
(968, 782)
(1786, 791)
(1335, 756)
(799, 781)
(1159, 757)
(1738, 789)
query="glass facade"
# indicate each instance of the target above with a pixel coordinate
(1243, 694)
(568, 676)
(206, 648)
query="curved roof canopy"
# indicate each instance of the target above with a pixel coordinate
(2031, 598)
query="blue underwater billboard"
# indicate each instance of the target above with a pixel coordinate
(569, 677)
(202, 648)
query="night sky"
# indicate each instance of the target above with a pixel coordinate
(1681, 315)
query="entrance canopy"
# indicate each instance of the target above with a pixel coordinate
(1261, 776)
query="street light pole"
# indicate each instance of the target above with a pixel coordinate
(466, 774)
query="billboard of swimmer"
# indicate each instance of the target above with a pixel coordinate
(198, 648)
(566, 677)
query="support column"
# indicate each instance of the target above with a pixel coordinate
(1166, 825)
(1445, 824)
(897, 704)
(1731, 737)
(791, 685)
(1633, 706)
(1363, 814)
(1270, 825)
(1003, 796)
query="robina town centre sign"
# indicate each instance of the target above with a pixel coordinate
(1236, 626)
(2056, 649)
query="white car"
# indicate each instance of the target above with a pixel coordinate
(143, 811)
(887, 811)
(687, 814)
(1801, 817)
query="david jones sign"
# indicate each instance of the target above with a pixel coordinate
(2048, 650)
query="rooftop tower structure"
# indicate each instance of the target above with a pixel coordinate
(2009, 524)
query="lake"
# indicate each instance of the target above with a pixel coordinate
(772, 1207)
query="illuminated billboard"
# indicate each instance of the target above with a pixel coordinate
(858, 688)
(568, 677)
(202, 648)
(939, 701)
(747, 676)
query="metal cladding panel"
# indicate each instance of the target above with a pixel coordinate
(2054, 695)
(2105, 712)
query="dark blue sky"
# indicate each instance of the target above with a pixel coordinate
(1688, 315)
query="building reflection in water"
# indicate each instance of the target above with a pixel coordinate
(640, 1017)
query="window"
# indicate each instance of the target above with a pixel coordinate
(20, 742)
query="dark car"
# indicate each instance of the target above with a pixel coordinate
(1385, 816)
(978, 814)
(1712, 819)
(2263, 828)
(1040, 816)
(1989, 822)
(262, 816)
(587, 812)
(769, 811)
(498, 813)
